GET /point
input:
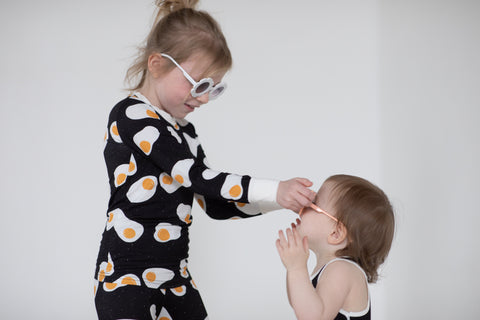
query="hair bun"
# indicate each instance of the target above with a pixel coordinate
(168, 6)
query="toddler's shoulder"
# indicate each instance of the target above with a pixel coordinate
(343, 269)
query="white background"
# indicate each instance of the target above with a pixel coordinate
(387, 90)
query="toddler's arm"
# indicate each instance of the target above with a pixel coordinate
(308, 302)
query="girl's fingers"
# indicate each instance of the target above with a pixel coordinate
(307, 193)
(305, 197)
(305, 182)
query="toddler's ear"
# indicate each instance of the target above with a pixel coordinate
(338, 234)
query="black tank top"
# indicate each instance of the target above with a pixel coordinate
(342, 314)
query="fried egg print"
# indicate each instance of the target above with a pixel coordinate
(128, 279)
(132, 166)
(179, 291)
(164, 315)
(145, 138)
(232, 187)
(155, 277)
(105, 139)
(120, 174)
(192, 144)
(167, 183)
(141, 111)
(193, 284)
(114, 132)
(201, 201)
(183, 268)
(181, 172)
(209, 174)
(248, 208)
(184, 212)
(143, 189)
(111, 217)
(105, 269)
(128, 230)
(95, 286)
(122, 171)
(174, 134)
(165, 232)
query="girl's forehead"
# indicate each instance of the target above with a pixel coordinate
(205, 66)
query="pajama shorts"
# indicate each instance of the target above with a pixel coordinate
(143, 303)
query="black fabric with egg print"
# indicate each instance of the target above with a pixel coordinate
(156, 168)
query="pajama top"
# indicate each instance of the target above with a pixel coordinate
(156, 167)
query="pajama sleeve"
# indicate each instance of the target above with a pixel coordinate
(261, 199)
(175, 151)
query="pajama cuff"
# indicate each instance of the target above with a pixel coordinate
(263, 193)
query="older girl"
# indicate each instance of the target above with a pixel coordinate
(156, 167)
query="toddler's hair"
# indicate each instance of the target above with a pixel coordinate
(368, 216)
(180, 31)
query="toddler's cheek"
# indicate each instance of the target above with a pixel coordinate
(301, 231)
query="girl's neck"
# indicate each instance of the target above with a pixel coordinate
(147, 91)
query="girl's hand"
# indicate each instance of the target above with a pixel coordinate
(294, 194)
(293, 250)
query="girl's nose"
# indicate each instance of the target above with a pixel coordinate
(204, 98)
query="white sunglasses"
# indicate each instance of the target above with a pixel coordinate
(203, 86)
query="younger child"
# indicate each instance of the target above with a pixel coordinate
(350, 228)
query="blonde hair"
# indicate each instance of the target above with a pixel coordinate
(180, 31)
(368, 216)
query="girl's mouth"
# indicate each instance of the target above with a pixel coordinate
(189, 107)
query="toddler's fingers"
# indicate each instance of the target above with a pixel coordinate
(281, 238)
(290, 237)
(297, 237)
(279, 246)
(305, 244)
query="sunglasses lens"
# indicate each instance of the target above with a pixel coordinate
(202, 87)
(218, 90)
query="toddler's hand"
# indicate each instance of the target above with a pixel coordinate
(293, 250)
(294, 194)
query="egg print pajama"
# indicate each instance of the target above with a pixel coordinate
(156, 168)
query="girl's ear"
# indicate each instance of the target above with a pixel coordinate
(338, 234)
(154, 64)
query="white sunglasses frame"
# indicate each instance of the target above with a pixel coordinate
(211, 87)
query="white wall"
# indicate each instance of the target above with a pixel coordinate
(385, 90)
(430, 113)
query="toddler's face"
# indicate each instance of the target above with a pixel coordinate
(317, 226)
